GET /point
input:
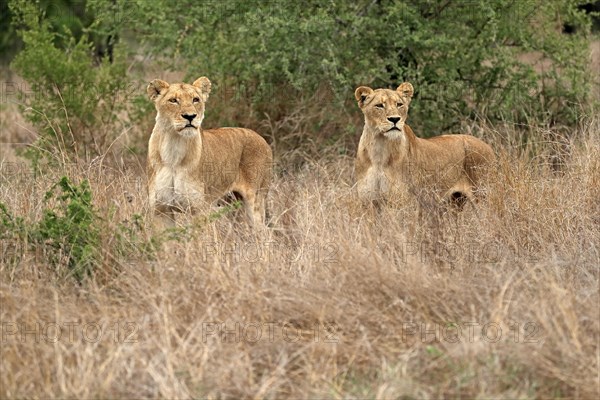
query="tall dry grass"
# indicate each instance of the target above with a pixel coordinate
(333, 301)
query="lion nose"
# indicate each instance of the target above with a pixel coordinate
(189, 117)
(393, 119)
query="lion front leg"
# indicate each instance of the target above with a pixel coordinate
(373, 188)
(162, 214)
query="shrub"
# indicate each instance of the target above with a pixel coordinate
(72, 228)
(75, 100)
(462, 57)
(67, 233)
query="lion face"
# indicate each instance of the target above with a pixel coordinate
(180, 106)
(385, 110)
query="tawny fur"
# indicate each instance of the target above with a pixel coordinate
(188, 166)
(392, 162)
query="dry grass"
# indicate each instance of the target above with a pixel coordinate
(348, 304)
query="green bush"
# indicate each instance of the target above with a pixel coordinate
(75, 99)
(75, 240)
(71, 228)
(462, 57)
(68, 232)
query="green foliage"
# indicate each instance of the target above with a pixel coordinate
(462, 57)
(76, 241)
(68, 231)
(8, 37)
(64, 17)
(227, 209)
(72, 237)
(75, 100)
(10, 226)
(187, 232)
(503, 60)
(71, 228)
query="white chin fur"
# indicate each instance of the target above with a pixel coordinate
(188, 132)
(395, 134)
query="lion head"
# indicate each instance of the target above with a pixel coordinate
(385, 110)
(180, 106)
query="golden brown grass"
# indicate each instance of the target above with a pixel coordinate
(348, 304)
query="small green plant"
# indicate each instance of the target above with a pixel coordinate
(10, 226)
(72, 238)
(187, 232)
(71, 229)
(13, 235)
(67, 230)
(229, 208)
(434, 351)
(68, 233)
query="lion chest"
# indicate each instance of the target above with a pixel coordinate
(176, 188)
(380, 170)
(373, 184)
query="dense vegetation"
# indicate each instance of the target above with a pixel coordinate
(273, 58)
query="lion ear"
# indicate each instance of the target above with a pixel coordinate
(156, 88)
(204, 85)
(361, 94)
(406, 90)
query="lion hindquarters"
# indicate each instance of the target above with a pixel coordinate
(467, 172)
(459, 194)
(238, 160)
(255, 178)
(479, 159)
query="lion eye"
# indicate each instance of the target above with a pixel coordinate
(196, 99)
(173, 100)
(379, 105)
(399, 105)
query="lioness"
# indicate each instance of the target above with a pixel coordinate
(188, 165)
(392, 161)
